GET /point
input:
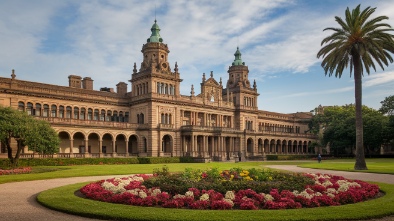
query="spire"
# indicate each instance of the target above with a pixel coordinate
(192, 91)
(238, 60)
(135, 68)
(13, 75)
(155, 36)
(176, 67)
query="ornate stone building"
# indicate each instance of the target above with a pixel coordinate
(221, 123)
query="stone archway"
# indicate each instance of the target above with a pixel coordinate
(120, 144)
(133, 145)
(79, 143)
(166, 144)
(106, 147)
(94, 143)
(250, 145)
(260, 148)
(64, 145)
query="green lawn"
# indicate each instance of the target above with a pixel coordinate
(374, 165)
(63, 198)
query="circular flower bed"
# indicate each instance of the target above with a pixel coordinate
(230, 189)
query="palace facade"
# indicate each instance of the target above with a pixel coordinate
(220, 123)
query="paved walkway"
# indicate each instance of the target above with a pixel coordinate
(18, 200)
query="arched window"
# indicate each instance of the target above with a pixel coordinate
(61, 111)
(76, 113)
(115, 116)
(45, 113)
(171, 89)
(121, 119)
(96, 114)
(142, 118)
(163, 120)
(53, 111)
(21, 106)
(102, 115)
(82, 114)
(38, 110)
(29, 108)
(145, 145)
(109, 115)
(166, 89)
(138, 118)
(162, 88)
(68, 112)
(126, 117)
(90, 114)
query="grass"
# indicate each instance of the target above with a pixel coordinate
(64, 199)
(385, 166)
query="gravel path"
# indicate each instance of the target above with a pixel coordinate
(18, 200)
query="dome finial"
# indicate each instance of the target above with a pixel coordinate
(155, 36)
(238, 59)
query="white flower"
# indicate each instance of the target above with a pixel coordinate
(134, 192)
(204, 197)
(189, 194)
(142, 194)
(155, 192)
(179, 196)
(268, 197)
(331, 191)
(229, 195)
(331, 195)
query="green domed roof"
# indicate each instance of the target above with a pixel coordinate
(155, 36)
(238, 60)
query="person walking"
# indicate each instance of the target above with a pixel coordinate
(319, 158)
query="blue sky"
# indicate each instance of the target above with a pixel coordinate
(46, 41)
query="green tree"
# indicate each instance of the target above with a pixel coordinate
(359, 42)
(387, 105)
(336, 125)
(27, 131)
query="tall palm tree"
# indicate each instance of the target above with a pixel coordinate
(359, 42)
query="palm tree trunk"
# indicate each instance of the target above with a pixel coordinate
(360, 158)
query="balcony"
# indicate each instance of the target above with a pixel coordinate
(208, 129)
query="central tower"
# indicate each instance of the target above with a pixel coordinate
(155, 75)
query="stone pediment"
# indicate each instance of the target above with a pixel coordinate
(211, 82)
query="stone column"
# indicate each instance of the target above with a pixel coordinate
(113, 148)
(87, 153)
(127, 147)
(100, 147)
(71, 148)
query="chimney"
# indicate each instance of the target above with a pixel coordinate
(87, 83)
(121, 88)
(74, 81)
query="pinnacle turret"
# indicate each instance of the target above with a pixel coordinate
(155, 36)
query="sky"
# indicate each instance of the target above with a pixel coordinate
(46, 41)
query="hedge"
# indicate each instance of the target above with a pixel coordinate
(4, 163)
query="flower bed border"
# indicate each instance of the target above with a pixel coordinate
(328, 191)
